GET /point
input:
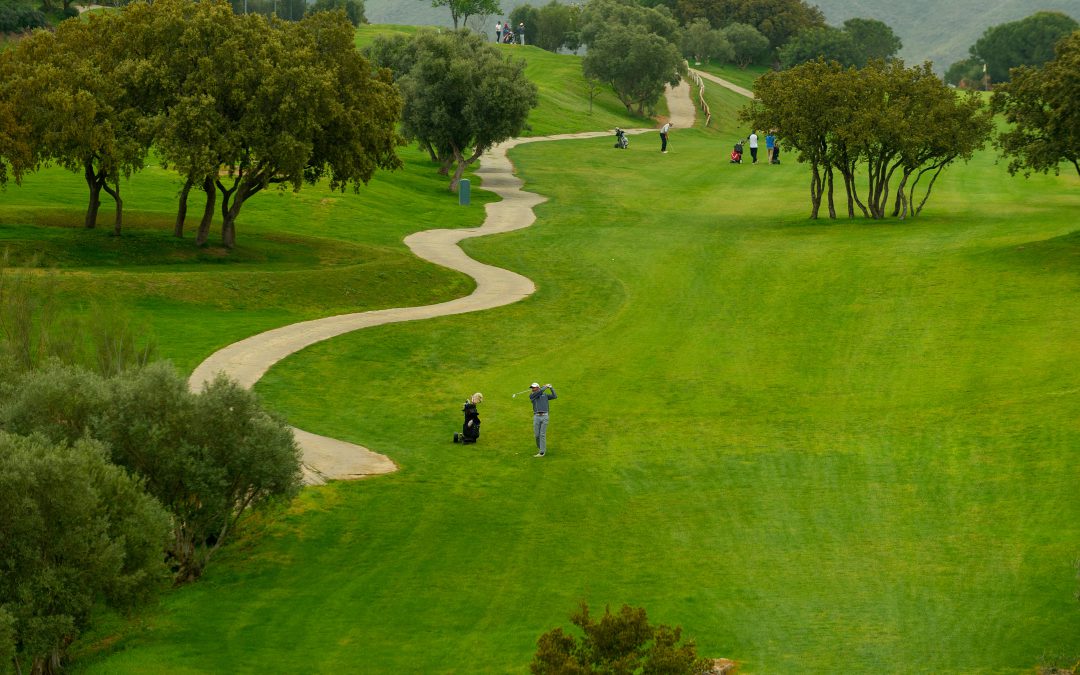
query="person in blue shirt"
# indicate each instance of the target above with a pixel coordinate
(540, 407)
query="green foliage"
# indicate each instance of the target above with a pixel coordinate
(15, 18)
(1041, 104)
(462, 95)
(874, 40)
(748, 44)
(616, 644)
(857, 43)
(899, 123)
(967, 73)
(354, 9)
(778, 20)
(272, 102)
(207, 457)
(702, 43)
(1028, 42)
(74, 109)
(74, 530)
(633, 49)
(554, 26)
(7, 642)
(598, 17)
(828, 43)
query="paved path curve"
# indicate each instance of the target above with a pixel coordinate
(248, 360)
(723, 83)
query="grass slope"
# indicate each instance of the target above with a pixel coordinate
(818, 447)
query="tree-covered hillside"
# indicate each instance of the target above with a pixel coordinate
(941, 31)
(930, 29)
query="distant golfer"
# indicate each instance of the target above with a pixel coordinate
(663, 136)
(540, 414)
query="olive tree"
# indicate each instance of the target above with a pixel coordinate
(633, 49)
(1042, 105)
(208, 457)
(462, 95)
(618, 643)
(894, 123)
(72, 108)
(75, 530)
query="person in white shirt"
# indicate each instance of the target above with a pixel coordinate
(663, 136)
(753, 146)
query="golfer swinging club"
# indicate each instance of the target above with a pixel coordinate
(540, 414)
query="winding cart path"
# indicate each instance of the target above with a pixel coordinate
(248, 360)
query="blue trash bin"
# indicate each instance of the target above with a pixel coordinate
(463, 192)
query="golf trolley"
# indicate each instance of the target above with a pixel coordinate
(621, 141)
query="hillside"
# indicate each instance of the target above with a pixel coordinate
(938, 31)
(929, 29)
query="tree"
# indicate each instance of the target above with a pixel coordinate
(208, 457)
(462, 95)
(632, 48)
(966, 73)
(1042, 106)
(636, 64)
(777, 20)
(702, 42)
(598, 17)
(74, 530)
(874, 40)
(530, 16)
(354, 9)
(72, 108)
(617, 643)
(1027, 42)
(828, 43)
(747, 43)
(555, 26)
(461, 10)
(898, 124)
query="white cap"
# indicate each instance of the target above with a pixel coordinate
(534, 385)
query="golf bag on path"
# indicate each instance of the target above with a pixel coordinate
(470, 428)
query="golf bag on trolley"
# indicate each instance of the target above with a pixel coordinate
(470, 428)
(736, 154)
(621, 141)
(508, 37)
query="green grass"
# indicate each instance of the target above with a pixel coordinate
(299, 255)
(816, 446)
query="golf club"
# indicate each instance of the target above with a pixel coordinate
(523, 391)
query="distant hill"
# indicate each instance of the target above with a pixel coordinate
(940, 31)
(930, 29)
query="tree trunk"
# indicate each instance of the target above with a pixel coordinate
(815, 192)
(917, 211)
(181, 212)
(115, 194)
(459, 170)
(208, 212)
(829, 180)
(94, 183)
